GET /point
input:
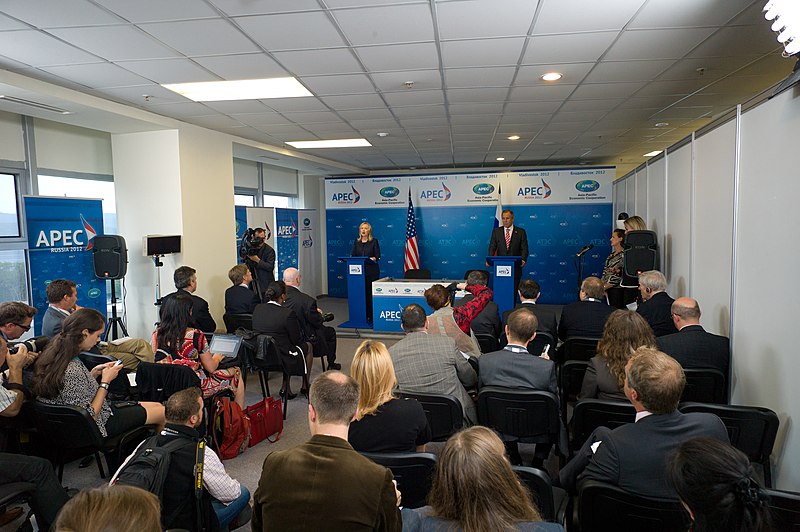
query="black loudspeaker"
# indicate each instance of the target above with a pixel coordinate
(640, 255)
(109, 256)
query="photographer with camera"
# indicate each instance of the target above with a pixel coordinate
(311, 317)
(261, 258)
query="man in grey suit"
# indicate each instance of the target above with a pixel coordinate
(431, 364)
(634, 456)
(513, 366)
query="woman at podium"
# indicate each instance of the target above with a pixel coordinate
(367, 246)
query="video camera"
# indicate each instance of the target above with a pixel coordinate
(250, 245)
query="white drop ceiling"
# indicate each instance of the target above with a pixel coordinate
(475, 67)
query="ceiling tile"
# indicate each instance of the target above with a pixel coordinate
(679, 13)
(566, 16)
(479, 77)
(420, 111)
(354, 101)
(292, 31)
(8, 23)
(366, 114)
(344, 84)
(116, 43)
(201, 37)
(656, 44)
(261, 119)
(63, 13)
(740, 40)
(424, 122)
(482, 52)
(39, 49)
(393, 81)
(577, 106)
(580, 47)
(313, 117)
(399, 57)
(481, 108)
(295, 104)
(318, 62)
(594, 91)
(512, 108)
(541, 93)
(181, 110)
(386, 24)
(572, 72)
(97, 75)
(242, 66)
(158, 10)
(214, 121)
(476, 95)
(158, 95)
(169, 70)
(474, 120)
(475, 19)
(258, 7)
(616, 71)
(237, 106)
(378, 125)
(414, 98)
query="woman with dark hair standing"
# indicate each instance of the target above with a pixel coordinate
(624, 332)
(715, 483)
(367, 246)
(184, 345)
(474, 489)
(282, 324)
(62, 379)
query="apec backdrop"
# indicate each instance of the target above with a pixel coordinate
(560, 209)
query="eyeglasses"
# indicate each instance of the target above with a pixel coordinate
(25, 328)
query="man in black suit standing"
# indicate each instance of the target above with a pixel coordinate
(692, 346)
(588, 316)
(185, 279)
(634, 456)
(510, 240)
(264, 259)
(239, 298)
(322, 337)
(529, 292)
(656, 305)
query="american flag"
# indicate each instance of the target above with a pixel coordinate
(411, 260)
(498, 213)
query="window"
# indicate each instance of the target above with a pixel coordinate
(84, 188)
(9, 215)
(284, 202)
(13, 275)
(244, 200)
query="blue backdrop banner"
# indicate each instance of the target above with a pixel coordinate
(286, 239)
(240, 214)
(60, 233)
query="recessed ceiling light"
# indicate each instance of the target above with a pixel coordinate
(652, 153)
(513, 137)
(382, 134)
(244, 89)
(662, 124)
(500, 159)
(552, 76)
(338, 143)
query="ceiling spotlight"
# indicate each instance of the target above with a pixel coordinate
(786, 25)
(500, 159)
(408, 84)
(662, 124)
(382, 134)
(513, 137)
(552, 76)
(652, 153)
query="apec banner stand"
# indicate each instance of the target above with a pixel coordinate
(60, 234)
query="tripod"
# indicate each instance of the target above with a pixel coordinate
(114, 320)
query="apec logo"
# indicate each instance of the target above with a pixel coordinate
(541, 192)
(390, 192)
(587, 185)
(68, 238)
(392, 315)
(93, 293)
(482, 189)
(436, 194)
(306, 222)
(308, 242)
(287, 231)
(346, 197)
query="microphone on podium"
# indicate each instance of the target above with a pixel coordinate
(583, 250)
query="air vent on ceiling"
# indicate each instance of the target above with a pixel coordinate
(37, 105)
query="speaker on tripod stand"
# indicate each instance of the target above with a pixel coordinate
(110, 261)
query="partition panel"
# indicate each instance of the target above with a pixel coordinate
(656, 198)
(630, 194)
(679, 210)
(619, 197)
(641, 193)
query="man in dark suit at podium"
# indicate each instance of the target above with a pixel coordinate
(510, 241)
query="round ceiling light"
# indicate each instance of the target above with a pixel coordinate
(500, 159)
(552, 76)
(513, 137)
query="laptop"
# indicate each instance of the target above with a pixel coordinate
(226, 345)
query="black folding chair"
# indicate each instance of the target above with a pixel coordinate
(704, 385)
(570, 380)
(265, 359)
(552, 502)
(234, 321)
(785, 508)
(590, 414)
(487, 342)
(444, 412)
(751, 429)
(537, 345)
(603, 507)
(578, 348)
(413, 473)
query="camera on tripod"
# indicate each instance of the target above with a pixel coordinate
(250, 245)
(327, 316)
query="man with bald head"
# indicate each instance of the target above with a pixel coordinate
(322, 337)
(692, 345)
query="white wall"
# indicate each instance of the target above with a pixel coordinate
(72, 148)
(678, 238)
(12, 147)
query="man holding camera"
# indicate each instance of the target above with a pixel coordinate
(311, 317)
(263, 258)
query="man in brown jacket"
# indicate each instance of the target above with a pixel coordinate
(324, 484)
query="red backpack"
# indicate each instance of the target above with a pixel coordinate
(230, 428)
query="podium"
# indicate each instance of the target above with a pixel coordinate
(357, 291)
(503, 271)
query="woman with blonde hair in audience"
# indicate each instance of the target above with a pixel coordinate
(635, 223)
(384, 423)
(111, 509)
(624, 332)
(474, 489)
(715, 483)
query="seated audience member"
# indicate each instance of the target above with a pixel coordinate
(185, 279)
(624, 333)
(384, 423)
(692, 346)
(656, 305)
(588, 316)
(716, 485)
(487, 321)
(634, 223)
(49, 496)
(239, 299)
(513, 366)
(441, 322)
(280, 322)
(181, 344)
(115, 508)
(324, 484)
(474, 489)
(61, 378)
(62, 295)
(425, 363)
(322, 337)
(230, 499)
(529, 293)
(481, 296)
(16, 319)
(635, 456)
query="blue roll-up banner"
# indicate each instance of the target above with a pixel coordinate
(240, 213)
(60, 233)
(560, 209)
(286, 239)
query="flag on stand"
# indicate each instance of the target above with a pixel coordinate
(411, 260)
(498, 213)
